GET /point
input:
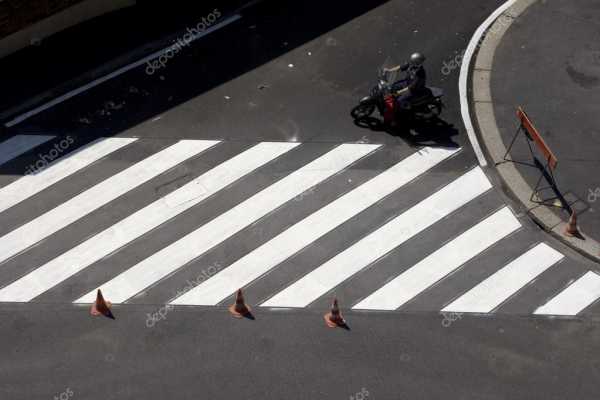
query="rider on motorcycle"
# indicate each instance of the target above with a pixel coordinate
(405, 90)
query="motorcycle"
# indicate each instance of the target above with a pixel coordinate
(424, 107)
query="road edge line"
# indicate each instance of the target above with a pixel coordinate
(464, 78)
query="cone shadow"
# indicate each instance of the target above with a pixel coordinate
(344, 326)
(249, 315)
(577, 235)
(109, 314)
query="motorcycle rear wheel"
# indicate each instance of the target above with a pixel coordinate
(435, 109)
(362, 111)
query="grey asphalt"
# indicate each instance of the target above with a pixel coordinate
(199, 353)
(231, 88)
(51, 346)
(549, 63)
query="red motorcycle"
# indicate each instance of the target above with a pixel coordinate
(425, 107)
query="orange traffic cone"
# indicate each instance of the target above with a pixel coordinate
(334, 318)
(101, 307)
(239, 308)
(571, 228)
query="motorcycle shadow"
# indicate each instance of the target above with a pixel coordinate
(434, 132)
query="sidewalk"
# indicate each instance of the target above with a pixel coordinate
(80, 54)
(545, 57)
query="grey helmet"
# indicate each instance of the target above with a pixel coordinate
(417, 59)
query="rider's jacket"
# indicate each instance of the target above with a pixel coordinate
(417, 80)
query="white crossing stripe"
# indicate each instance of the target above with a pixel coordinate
(17, 145)
(181, 252)
(264, 258)
(29, 185)
(575, 298)
(495, 290)
(142, 221)
(442, 262)
(382, 241)
(106, 191)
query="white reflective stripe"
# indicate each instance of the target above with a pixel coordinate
(442, 262)
(141, 222)
(575, 298)
(17, 145)
(382, 241)
(496, 289)
(77, 207)
(31, 184)
(181, 252)
(300, 235)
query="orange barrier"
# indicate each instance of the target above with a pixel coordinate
(546, 169)
(537, 138)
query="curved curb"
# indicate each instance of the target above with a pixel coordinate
(480, 100)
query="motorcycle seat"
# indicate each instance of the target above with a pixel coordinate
(436, 92)
(427, 96)
(422, 98)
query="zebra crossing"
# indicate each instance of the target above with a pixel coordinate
(294, 223)
(455, 253)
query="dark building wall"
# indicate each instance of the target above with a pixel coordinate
(19, 14)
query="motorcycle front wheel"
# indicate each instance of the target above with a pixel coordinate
(362, 111)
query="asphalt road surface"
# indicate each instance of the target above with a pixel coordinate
(236, 165)
(204, 353)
